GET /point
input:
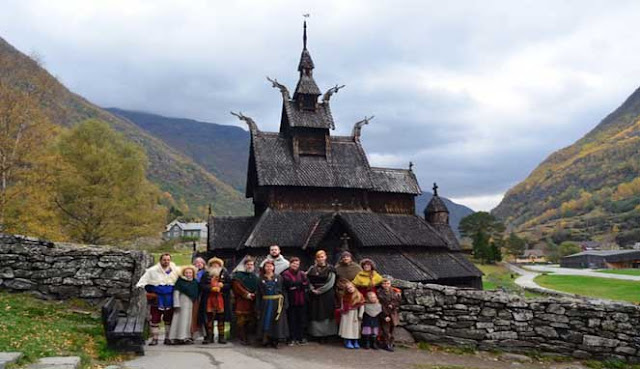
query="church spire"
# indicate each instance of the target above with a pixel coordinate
(306, 87)
(436, 211)
(304, 36)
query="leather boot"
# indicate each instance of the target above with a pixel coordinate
(366, 342)
(374, 342)
(221, 338)
(209, 337)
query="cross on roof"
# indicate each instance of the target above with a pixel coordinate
(336, 204)
(435, 189)
(345, 242)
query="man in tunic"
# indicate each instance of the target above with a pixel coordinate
(158, 281)
(215, 285)
(244, 284)
(390, 299)
(278, 260)
(296, 285)
(322, 303)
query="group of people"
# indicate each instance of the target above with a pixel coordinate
(279, 302)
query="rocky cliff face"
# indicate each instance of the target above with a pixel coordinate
(589, 189)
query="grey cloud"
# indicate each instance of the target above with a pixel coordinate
(201, 61)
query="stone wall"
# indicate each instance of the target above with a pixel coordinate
(62, 271)
(497, 320)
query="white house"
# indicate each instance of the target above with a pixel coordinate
(177, 229)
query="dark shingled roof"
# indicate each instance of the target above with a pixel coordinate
(443, 264)
(275, 164)
(308, 228)
(284, 228)
(347, 167)
(377, 229)
(395, 264)
(306, 85)
(611, 256)
(395, 180)
(420, 265)
(319, 118)
(447, 233)
(436, 205)
(228, 232)
(305, 61)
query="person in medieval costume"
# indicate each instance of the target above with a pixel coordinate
(272, 306)
(368, 279)
(158, 281)
(215, 286)
(244, 283)
(346, 271)
(185, 293)
(351, 313)
(390, 299)
(198, 330)
(322, 302)
(276, 257)
(296, 285)
(200, 264)
(371, 321)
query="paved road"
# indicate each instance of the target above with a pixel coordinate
(526, 279)
(583, 272)
(315, 356)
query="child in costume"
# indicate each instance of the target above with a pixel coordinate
(351, 312)
(390, 299)
(371, 321)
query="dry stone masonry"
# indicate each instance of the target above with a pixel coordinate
(497, 320)
(62, 271)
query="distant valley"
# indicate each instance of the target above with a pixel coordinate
(588, 190)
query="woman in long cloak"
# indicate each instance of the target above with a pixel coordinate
(322, 304)
(272, 307)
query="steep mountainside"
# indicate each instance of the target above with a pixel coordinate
(171, 170)
(220, 149)
(590, 189)
(456, 211)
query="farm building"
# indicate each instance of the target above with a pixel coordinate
(609, 259)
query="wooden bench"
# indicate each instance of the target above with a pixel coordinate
(123, 332)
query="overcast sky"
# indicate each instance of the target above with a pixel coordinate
(475, 93)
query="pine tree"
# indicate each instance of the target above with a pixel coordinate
(481, 246)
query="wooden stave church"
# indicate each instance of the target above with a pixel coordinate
(315, 191)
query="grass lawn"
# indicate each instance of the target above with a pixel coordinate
(621, 271)
(606, 288)
(40, 328)
(178, 257)
(497, 276)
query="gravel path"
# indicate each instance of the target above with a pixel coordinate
(331, 356)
